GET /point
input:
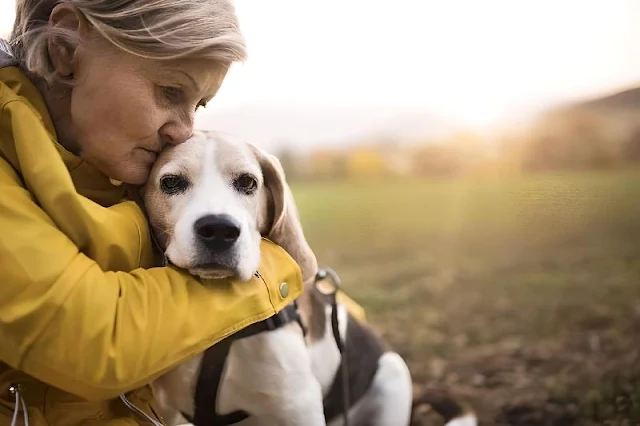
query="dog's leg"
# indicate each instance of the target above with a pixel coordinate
(175, 391)
(393, 391)
(269, 376)
(452, 410)
(388, 401)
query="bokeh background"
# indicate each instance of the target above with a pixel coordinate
(472, 171)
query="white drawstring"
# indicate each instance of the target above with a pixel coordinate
(139, 411)
(15, 389)
(19, 403)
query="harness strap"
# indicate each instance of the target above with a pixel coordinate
(359, 358)
(213, 361)
(340, 386)
(339, 390)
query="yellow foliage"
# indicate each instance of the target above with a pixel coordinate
(365, 163)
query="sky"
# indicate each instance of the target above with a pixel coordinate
(472, 59)
(477, 62)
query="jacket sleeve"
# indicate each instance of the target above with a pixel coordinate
(66, 322)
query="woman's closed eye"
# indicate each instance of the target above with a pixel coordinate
(173, 95)
(176, 96)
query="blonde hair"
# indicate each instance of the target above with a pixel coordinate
(154, 29)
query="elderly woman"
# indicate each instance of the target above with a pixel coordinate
(90, 92)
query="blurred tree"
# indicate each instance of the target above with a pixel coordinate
(290, 162)
(573, 139)
(631, 146)
(326, 164)
(439, 160)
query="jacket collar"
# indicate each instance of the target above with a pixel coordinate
(88, 181)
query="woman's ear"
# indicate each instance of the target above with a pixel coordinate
(67, 27)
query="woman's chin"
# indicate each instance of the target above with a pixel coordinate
(131, 175)
(133, 169)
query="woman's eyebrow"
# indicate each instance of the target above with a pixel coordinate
(166, 72)
(190, 78)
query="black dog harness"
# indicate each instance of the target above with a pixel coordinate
(213, 362)
(351, 384)
(364, 350)
(346, 385)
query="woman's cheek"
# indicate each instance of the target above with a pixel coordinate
(141, 122)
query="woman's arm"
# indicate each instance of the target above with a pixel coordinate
(96, 334)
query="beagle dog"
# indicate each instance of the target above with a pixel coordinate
(210, 201)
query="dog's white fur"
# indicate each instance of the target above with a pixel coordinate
(277, 376)
(211, 192)
(269, 374)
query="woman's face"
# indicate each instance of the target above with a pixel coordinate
(124, 109)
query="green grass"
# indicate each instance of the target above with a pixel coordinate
(454, 270)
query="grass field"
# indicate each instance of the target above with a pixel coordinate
(522, 296)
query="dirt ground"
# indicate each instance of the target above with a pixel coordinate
(584, 380)
(521, 297)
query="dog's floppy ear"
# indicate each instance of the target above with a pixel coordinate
(279, 220)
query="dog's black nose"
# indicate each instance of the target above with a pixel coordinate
(217, 231)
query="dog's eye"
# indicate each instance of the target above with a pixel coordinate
(246, 183)
(173, 184)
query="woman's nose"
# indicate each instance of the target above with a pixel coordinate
(176, 133)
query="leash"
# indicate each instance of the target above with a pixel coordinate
(332, 276)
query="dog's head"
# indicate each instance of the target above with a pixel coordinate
(211, 199)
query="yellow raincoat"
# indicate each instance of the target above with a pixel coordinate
(84, 315)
